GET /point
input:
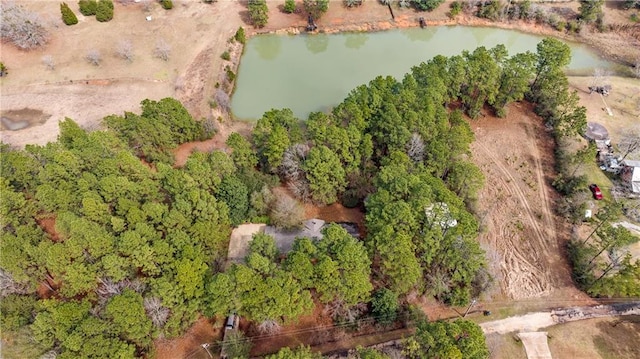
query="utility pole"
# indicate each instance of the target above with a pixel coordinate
(206, 347)
(473, 302)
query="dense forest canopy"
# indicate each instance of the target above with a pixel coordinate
(101, 252)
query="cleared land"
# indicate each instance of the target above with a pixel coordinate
(519, 230)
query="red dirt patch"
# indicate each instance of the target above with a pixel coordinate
(48, 225)
(190, 344)
(307, 330)
(337, 213)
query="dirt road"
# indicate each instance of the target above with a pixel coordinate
(535, 321)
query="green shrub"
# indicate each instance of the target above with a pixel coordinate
(456, 8)
(68, 17)
(561, 25)
(226, 56)
(167, 4)
(258, 12)
(230, 74)
(289, 6)
(3, 70)
(240, 36)
(104, 10)
(88, 7)
(427, 5)
(634, 17)
(573, 26)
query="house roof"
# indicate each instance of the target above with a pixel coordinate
(631, 163)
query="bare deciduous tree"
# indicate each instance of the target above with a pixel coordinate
(51, 354)
(222, 98)
(94, 57)
(629, 142)
(47, 61)
(156, 312)
(108, 288)
(8, 285)
(179, 84)
(269, 326)
(286, 212)
(162, 50)
(339, 310)
(124, 50)
(300, 188)
(22, 27)
(415, 148)
(291, 169)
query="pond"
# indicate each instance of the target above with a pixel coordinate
(309, 73)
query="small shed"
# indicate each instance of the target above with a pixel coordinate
(631, 174)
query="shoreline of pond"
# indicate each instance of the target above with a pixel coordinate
(461, 20)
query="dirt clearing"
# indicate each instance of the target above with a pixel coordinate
(196, 32)
(519, 230)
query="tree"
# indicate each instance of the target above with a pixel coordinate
(455, 340)
(325, 175)
(162, 50)
(235, 194)
(258, 12)
(68, 17)
(514, 80)
(590, 10)
(124, 50)
(552, 55)
(48, 62)
(243, 155)
(384, 306)
(166, 4)
(24, 28)
(426, 5)
(289, 6)
(629, 142)
(94, 57)
(104, 10)
(286, 212)
(315, 8)
(88, 7)
(240, 36)
(301, 352)
(272, 136)
(237, 345)
(127, 313)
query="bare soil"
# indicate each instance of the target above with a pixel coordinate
(519, 229)
(190, 344)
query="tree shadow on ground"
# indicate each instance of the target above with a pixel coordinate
(619, 339)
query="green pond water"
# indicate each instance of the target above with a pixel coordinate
(309, 73)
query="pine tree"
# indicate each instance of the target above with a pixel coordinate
(68, 17)
(104, 10)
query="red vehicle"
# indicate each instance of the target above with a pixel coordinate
(595, 190)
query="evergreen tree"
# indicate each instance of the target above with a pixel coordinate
(68, 17)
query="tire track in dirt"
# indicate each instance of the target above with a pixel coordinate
(518, 192)
(523, 261)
